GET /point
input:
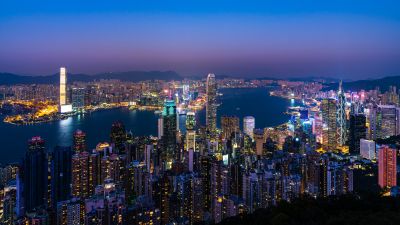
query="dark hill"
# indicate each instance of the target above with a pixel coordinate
(382, 83)
(134, 76)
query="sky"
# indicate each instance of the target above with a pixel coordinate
(250, 38)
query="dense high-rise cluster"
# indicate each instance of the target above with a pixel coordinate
(193, 173)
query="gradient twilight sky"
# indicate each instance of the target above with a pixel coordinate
(282, 38)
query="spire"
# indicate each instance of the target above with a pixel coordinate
(340, 86)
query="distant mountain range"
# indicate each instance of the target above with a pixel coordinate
(134, 76)
(382, 83)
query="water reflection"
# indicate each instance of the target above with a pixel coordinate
(292, 102)
(267, 110)
(65, 129)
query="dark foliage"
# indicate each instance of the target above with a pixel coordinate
(349, 209)
(392, 141)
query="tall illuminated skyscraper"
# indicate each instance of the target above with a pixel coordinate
(169, 132)
(249, 124)
(211, 106)
(190, 131)
(341, 116)
(63, 86)
(80, 175)
(387, 171)
(329, 132)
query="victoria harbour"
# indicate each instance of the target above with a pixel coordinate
(268, 110)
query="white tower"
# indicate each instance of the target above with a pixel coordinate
(63, 86)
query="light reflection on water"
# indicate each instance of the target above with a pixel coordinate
(65, 129)
(13, 139)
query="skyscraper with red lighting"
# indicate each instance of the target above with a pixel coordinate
(387, 166)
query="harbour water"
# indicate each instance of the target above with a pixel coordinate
(267, 110)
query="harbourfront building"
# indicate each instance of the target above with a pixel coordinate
(64, 106)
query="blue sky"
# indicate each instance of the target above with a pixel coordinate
(348, 39)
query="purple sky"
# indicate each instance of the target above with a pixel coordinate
(247, 39)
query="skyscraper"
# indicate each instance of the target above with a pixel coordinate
(387, 171)
(341, 116)
(34, 174)
(190, 131)
(329, 132)
(80, 175)
(63, 86)
(169, 132)
(211, 106)
(160, 127)
(79, 141)
(61, 174)
(229, 125)
(118, 136)
(249, 124)
(386, 121)
(165, 192)
(136, 183)
(259, 138)
(357, 131)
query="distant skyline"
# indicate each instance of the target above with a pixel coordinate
(341, 39)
